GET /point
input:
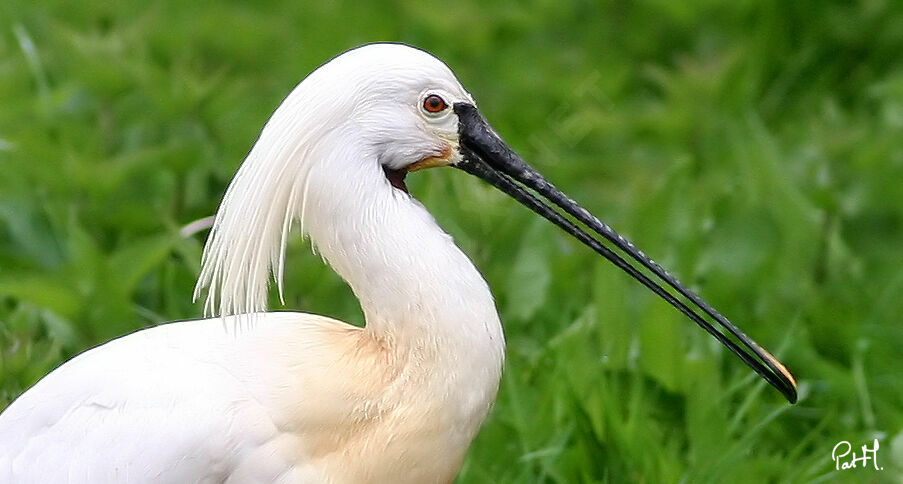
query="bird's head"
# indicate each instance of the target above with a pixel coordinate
(395, 103)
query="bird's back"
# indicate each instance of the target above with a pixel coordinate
(173, 403)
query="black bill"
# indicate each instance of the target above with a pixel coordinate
(485, 155)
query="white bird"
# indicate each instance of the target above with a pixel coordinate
(294, 397)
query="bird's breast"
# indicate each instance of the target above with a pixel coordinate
(383, 412)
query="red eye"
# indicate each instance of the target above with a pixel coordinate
(434, 104)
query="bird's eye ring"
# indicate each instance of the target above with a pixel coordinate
(434, 104)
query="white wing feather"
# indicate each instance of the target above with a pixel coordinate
(191, 415)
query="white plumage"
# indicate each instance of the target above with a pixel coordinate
(292, 397)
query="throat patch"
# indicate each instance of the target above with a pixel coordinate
(396, 177)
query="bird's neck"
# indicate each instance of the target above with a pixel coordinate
(417, 289)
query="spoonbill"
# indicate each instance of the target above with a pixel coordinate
(254, 396)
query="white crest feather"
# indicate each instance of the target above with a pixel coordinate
(248, 238)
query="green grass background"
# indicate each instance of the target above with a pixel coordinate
(755, 148)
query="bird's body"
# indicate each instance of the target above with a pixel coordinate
(292, 397)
